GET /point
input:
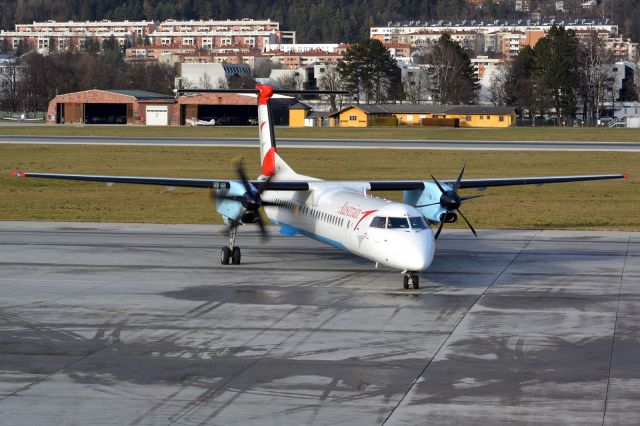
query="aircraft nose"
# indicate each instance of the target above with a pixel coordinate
(418, 253)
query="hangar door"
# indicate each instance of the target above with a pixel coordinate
(105, 113)
(157, 115)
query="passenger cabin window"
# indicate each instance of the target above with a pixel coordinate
(417, 223)
(379, 222)
(397, 223)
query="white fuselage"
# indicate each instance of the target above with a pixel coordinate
(340, 215)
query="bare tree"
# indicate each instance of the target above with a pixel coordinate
(453, 72)
(9, 84)
(288, 81)
(417, 85)
(205, 81)
(331, 81)
(596, 79)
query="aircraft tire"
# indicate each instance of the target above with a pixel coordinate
(225, 254)
(405, 282)
(235, 256)
(416, 282)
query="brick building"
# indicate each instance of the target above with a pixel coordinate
(111, 107)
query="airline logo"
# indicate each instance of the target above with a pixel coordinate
(354, 212)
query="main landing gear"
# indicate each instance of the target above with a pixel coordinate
(231, 253)
(413, 278)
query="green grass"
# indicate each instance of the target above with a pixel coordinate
(509, 134)
(584, 205)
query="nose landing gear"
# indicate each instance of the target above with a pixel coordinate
(413, 278)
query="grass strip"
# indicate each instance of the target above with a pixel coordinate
(611, 205)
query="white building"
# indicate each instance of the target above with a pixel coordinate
(301, 48)
(210, 75)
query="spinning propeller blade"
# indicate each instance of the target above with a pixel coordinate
(451, 201)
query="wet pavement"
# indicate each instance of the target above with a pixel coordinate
(141, 325)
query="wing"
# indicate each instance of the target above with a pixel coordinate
(300, 185)
(163, 181)
(491, 182)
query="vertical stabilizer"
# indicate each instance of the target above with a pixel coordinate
(270, 162)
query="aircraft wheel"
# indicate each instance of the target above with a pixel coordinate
(416, 282)
(225, 254)
(235, 256)
(406, 282)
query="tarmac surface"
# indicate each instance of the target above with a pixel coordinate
(141, 325)
(334, 143)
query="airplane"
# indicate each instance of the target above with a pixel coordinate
(342, 214)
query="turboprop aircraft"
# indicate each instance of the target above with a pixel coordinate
(339, 213)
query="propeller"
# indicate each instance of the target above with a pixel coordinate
(251, 202)
(451, 201)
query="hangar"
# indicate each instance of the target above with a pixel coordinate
(147, 108)
(111, 107)
(230, 108)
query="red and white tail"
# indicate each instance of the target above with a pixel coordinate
(270, 162)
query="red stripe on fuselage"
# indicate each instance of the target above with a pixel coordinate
(364, 214)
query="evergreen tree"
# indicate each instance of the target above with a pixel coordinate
(368, 68)
(556, 57)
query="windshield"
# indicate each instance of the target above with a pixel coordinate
(417, 222)
(379, 222)
(397, 222)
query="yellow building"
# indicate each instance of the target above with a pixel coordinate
(361, 115)
(297, 114)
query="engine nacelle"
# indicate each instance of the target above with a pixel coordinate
(230, 209)
(449, 217)
(430, 194)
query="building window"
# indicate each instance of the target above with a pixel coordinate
(409, 117)
(353, 118)
(482, 117)
(488, 117)
(501, 118)
(468, 118)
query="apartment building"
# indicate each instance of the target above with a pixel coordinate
(203, 34)
(212, 34)
(53, 36)
(504, 37)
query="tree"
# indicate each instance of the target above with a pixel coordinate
(288, 81)
(241, 81)
(331, 80)
(596, 79)
(417, 85)
(34, 85)
(205, 81)
(455, 80)
(516, 85)
(90, 45)
(367, 67)
(9, 85)
(556, 57)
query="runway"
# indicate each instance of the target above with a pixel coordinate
(140, 325)
(336, 143)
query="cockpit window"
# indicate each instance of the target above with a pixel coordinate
(417, 222)
(379, 222)
(397, 222)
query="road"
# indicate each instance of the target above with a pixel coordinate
(337, 143)
(141, 325)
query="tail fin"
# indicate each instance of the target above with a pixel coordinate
(270, 162)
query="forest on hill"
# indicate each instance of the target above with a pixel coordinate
(314, 20)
